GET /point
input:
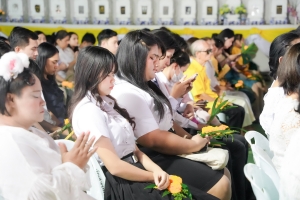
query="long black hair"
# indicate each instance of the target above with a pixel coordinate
(278, 48)
(131, 56)
(289, 72)
(94, 65)
(45, 51)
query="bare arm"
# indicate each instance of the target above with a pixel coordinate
(118, 167)
(49, 127)
(170, 143)
(59, 78)
(146, 161)
(180, 131)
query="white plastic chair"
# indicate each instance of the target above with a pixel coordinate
(260, 141)
(95, 172)
(263, 161)
(262, 185)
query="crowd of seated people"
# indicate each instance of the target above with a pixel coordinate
(139, 97)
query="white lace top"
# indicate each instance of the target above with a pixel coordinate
(271, 99)
(285, 124)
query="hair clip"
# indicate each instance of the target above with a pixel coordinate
(12, 64)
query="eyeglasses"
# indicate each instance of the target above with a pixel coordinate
(208, 51)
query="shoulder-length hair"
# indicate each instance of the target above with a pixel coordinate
(289, 72)
(45, 51)
(131, 57)
(94, 64)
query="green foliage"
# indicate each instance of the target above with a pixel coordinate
(240, 9)
(224, 10)
(218, 108)
(249, 53)
(150, 186)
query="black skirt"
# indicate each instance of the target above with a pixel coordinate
(193, 173)
(120, 189)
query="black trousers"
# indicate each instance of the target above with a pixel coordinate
(235, 117)
(238, 156)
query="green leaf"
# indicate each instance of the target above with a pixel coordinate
(166, 193)
(150, 186)
(249, 53)
(184, 186)
(190, 195)
(217, 143)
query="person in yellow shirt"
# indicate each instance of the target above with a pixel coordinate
(201, 53)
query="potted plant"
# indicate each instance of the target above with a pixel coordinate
(223, 11)
(241, 10)
(1, 14)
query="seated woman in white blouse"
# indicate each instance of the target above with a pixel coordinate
(137, 55)
(32, 166)
(286, 120)
(275, 93)
(128, 170)
(67, 57)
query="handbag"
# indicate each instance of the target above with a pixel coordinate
(215, 158)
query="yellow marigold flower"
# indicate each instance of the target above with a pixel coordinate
(175, 179)
(208, 129)
(223, 127)
(67, 121)
(67, 84)
(239, 84)
(175, 188)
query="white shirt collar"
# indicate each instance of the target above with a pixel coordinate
(107, 103)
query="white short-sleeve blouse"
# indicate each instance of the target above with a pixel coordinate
(103, 120)
(140, 105)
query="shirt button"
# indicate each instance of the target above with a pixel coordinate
(110, 103)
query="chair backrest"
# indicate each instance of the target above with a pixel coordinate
(264, 162)
(95, 173)
(222, 117)
(262, 185)
(259, 140)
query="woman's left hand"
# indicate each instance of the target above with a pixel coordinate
(161, 179)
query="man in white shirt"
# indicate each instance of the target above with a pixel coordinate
(24, 41)
(108, 39)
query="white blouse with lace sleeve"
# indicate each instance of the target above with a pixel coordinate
(31, 168)
(285, 124)
(271, 99)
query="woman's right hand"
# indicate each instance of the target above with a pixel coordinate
(80, 153)
(161, 179)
